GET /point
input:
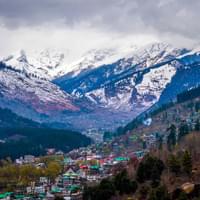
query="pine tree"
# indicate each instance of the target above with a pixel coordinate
(174, 164)
(171, 139)
(159, 193)
(182, 196)
(187, 163)
(155, 176)
(183, 130)
(197, 125)
(197, 106)
(150, 168)
(162, 193)
(144, 145)
(141, 174)
(160, 143)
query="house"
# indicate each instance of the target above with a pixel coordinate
(70, 177)
(19, 161)
(5, 196)
(82, 173)
(140, 154)
(92, 178)
(68, 161)
(50, 151)
(49, 196)
(40, 165)
(43, 180)
(29, 159)
(59, 153)
(39, 190)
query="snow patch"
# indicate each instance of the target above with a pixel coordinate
(156, 80)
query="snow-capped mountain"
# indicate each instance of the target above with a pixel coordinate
(52, 63)
(32, 97)
(105, 88)
(45, 64)
(131, 80)
(98, 57)
(135, 82)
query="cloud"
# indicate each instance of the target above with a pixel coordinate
(73, 42)
(175, 21)
(34, 12)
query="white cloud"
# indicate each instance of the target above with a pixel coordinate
(78, 25)
(74, 42)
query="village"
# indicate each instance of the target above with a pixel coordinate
(81, 167)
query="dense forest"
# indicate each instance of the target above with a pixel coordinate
(24, 136)
(188, 95)
(10, 119)
(35, 141)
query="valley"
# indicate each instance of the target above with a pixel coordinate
(98, 122)
(162, 138)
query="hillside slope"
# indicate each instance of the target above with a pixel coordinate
(158, 120)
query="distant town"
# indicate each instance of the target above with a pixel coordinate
(79, 168)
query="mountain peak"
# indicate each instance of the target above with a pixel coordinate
(41, 64)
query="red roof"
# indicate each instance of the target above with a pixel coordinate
(83, 167)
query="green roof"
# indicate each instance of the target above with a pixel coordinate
(56, 190)
(70, 174)
(134, 137)
(67, 160)
(19, 196)
(94, 167)
(42, 195)
(73, 188)
(121, 159)
(4, 195)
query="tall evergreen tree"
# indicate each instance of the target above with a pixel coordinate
(141, 174)
(187, 162)
(174, 164)
(197, 106)
(159, 193)
(183, 130)
(123, 184)
(150, 169)
(171, 139)
(160, 143)
(197, 125)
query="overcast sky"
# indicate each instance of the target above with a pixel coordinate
(79, 25)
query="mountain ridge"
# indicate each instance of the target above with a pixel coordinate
(121, 89)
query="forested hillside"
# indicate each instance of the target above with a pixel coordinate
(35, 141)
(185, 107)
(10, 119)
(170, 167)
(22, 136)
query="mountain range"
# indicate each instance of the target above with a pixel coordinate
(105, 88)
